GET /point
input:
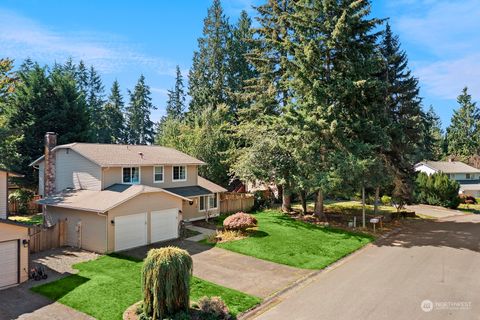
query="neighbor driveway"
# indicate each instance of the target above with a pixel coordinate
(431, 261)
(247, 274)
(434, 211)
(20, 303)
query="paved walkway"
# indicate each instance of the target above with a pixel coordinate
(20, 303)
(254, 276)
(434, 211)
(437, 261)
(204, 233)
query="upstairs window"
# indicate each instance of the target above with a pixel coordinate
(131, 175)
(179, 173)
(158, 174)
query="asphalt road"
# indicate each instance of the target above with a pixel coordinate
(433, 261)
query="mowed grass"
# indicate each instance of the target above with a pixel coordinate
(348, 206)
(31, 220)
(284, 240)
(104, 288)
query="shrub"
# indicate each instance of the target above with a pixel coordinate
(214, 308)
(386, 200)
(437, 189)
(239, 221)
(166, 282)
(468, 199)
(22, 197)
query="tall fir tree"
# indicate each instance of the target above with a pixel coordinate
(433, 141)
(81, 77)
(463, 134)
(140, 128)
(113, 130)
(207, 77)
(176, 97)
(95, 99)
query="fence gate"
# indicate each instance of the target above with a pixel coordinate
(42, 239)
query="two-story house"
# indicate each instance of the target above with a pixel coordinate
(467, 176)
(116, 197)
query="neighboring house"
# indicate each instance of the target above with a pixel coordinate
(116, 197)
(4, 175)
(467, 176)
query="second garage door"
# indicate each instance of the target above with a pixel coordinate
(164, 225)
(8, 263)
(130, 231)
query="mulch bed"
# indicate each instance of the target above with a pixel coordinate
(132, 313)
(204, 224)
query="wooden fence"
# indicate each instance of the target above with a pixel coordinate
(32, 208)
(48, 238)
(234, 202)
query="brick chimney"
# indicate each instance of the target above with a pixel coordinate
(49, 172)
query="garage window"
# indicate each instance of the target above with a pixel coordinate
(158, 174)
(131, 175)
(179, 173)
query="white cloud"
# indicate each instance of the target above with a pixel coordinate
(22, 37)
(160, 91)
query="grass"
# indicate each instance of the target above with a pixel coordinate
(284, 240)
(473, 208)
(31, 220)
(346, 207)
(104, 288)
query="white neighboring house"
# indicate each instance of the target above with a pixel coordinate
(467, 176)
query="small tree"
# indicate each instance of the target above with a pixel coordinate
(166, 282)
(437, 189)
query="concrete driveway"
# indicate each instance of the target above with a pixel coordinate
(434, 211)
(247, 274)
(21, 303)
(436, 263)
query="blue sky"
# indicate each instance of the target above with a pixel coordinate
(123, 39)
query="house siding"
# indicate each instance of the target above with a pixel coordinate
(3, 195)
(113, 175)
(192, 212)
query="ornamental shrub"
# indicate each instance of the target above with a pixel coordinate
(239, 221)
(386, 200)
(214, 308)
(22, 197)
(437, 189)
(166, 276)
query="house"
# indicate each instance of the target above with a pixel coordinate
(467, 176)
(4, 177)
(116, 197)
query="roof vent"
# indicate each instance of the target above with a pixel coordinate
(140, 154)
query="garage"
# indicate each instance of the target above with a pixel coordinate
(130, 231)
(164, 225)
(9, 263)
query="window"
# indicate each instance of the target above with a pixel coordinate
(179, 173)
(469, 176)
(131, 175)
(202, 203)
(158, 174)
(212, 202)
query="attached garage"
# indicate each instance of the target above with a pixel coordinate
(13, 253)
(130, 231)
(164, 225)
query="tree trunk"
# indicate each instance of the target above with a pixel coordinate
(363, 208)
(303, 199)
(286, 199)
(377, 200)
(319, 207)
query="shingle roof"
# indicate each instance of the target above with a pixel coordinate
(116, 155)
(100, 201)
(204, 187)
(449, 166)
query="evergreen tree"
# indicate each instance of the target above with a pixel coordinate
(114, 127)
(463, 134)
(81, 76)
(140, 128)
(432, 136)
(176, 98)
(207, 77)
(95, 101)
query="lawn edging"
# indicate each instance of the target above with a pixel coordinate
(274, 299)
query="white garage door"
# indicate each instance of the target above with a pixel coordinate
(130, 231)
(8, 263)
(164, 225)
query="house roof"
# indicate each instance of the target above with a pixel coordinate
(11, 173)
(100, 201)
(117, 155)
(449, 166)
(204, 187)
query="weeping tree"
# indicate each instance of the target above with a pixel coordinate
(166, 282)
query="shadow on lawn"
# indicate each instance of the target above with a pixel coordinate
(57, 289)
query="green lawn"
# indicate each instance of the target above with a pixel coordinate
(105, 287)
(287, 241)
(32, 220)
(473, 208)
(346, 207)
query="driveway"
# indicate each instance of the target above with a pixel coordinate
(434, 211)
(433, 261)
(247, 274)
(20, 303)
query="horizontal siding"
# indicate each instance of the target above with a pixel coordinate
(41, 173)
(3, 195)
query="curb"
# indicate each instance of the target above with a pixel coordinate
(275, 298)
